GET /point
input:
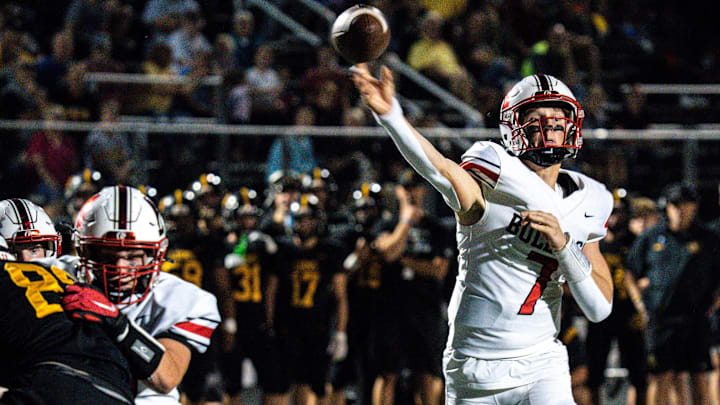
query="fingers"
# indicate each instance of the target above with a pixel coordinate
(548, 225)
(542, 221)
(539, 217)
(360, 68)
(386, 76)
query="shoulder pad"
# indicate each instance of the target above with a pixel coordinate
(482, 161)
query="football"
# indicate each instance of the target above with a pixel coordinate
(360, 34)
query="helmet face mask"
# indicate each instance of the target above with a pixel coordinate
(25, 225)
(121, 242)
(527, 139)
(121, 282)
(307, 217)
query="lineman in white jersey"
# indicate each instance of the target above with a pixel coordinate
(524, 226)
(156, 318)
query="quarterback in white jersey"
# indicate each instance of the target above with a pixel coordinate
(156, 318)
(524, 227)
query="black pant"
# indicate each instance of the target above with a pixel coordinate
(631, 342)
(51, 385)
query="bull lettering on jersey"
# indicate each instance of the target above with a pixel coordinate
(527, 235)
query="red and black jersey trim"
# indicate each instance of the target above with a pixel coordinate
(482, 170)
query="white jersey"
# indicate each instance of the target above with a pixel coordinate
(174, 309)
(507, 296)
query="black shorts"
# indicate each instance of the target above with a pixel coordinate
(195, 383)
(360, 365)
(680, 348)
(304, 358)
(631, 343)
(51, 385)
(262, 351)
(414, 341)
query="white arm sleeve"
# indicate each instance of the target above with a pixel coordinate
(395, 124)
(577, 271)
(590, 299)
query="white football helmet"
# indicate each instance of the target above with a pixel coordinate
(533, 91)
(23, 222)
(115, 219)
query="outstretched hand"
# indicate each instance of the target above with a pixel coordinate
(376, 94)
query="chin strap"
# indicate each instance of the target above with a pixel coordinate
(546, 157)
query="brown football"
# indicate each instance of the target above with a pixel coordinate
(360, 34)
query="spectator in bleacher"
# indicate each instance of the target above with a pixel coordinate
(157, 99)
(243, 36)
(87, 18)
(17, 40)
(446, 9)
(53, 67)
(398, 13)
(529, 20)
(20, 95)
(124, 36)
(79, 102)
(584, 18)
(100, 61)
(327, 87)
(239, 102)
(633, 114)
(162, 17)
(487, 48)
(329, 105)
(52, 156)
(326, 68)
(224, 54)
(266, 88)
(195, 99)
(111, 152)
(595, 101)
(355, 117)
(295, 153)
(188, 43)
(435, 57)
(553, 55)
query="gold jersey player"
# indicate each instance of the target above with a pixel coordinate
(524, 227)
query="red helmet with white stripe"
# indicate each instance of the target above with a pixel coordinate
(121, 242)
(540, 91)
(24, 223)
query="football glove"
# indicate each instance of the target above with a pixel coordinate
(142, 351)
(82, 301)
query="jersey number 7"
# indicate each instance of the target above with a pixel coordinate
(549, 265)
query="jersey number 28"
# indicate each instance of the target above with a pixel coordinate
(37, 280)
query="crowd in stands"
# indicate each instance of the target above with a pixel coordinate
(269, 76)
(474, 49)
